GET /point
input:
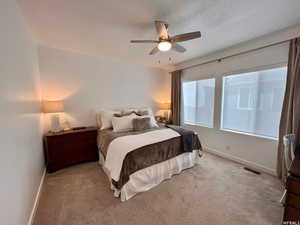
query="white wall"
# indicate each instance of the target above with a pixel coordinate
(21, 155)
(89, 83)
(257, 152)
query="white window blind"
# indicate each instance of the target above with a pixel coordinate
(198, 102)
(252, 102)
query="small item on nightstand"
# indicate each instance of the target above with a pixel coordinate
(158, 118)
(161, 119)
(66, 125)
(78, 128)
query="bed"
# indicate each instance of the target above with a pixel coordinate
(136, 161)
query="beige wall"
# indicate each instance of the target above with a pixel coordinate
(89, 83)
(21, 155)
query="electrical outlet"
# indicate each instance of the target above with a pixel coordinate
(227, 147)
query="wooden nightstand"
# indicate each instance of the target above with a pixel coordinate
(292, 204)
(163, 123)
(160, 124)
(71, 147)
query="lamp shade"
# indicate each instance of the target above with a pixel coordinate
(165, 106)
(52, 106)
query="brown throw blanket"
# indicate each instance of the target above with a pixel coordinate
(145, 156)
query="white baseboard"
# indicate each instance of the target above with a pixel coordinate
(36, 200)
(249, 164)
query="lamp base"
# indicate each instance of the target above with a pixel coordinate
(166, 115)
(55, 125)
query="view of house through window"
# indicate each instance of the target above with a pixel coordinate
(252, 102)
(198, 102)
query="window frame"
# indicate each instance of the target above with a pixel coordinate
(236, 73)
(196, 100)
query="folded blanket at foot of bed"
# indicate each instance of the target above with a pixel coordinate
(190, 141)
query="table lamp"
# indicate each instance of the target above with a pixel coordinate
(165, 106)
(53, 107)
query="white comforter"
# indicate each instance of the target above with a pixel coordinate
(119, 147)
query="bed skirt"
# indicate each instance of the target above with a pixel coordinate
(150, 177)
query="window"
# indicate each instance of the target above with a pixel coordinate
(198, 102)
(252, 102)
(244, 100)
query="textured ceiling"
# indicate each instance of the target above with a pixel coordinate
(100, 27)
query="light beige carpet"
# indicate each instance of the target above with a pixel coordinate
(216, 192)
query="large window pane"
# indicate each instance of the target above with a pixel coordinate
(198, 102)
(252, 102)
(189, 100)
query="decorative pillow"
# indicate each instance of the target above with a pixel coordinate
(124, 113)
(123, 123)
(104, 118)
(151, 115)
(144, 111)
(140, 124)
(128, 110)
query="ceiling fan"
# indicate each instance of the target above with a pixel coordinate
(165, 42)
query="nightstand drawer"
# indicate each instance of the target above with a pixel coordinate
(291, 214)
(293, 184)
(90, 135)
(69, 148)
(293, 200)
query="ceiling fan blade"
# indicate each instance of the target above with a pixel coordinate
(144, 41)
(178, 48)
(186, 36)
(162, 29)
(154, 51)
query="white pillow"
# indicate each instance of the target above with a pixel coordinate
(104, 118)
(123, 123)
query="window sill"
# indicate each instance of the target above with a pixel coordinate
(196, 125)
(249, 134)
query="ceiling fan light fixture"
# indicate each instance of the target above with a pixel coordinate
(164, 46)
(165, 42)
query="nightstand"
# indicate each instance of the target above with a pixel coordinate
(71, 147)
(292, 203)
(162, 124)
